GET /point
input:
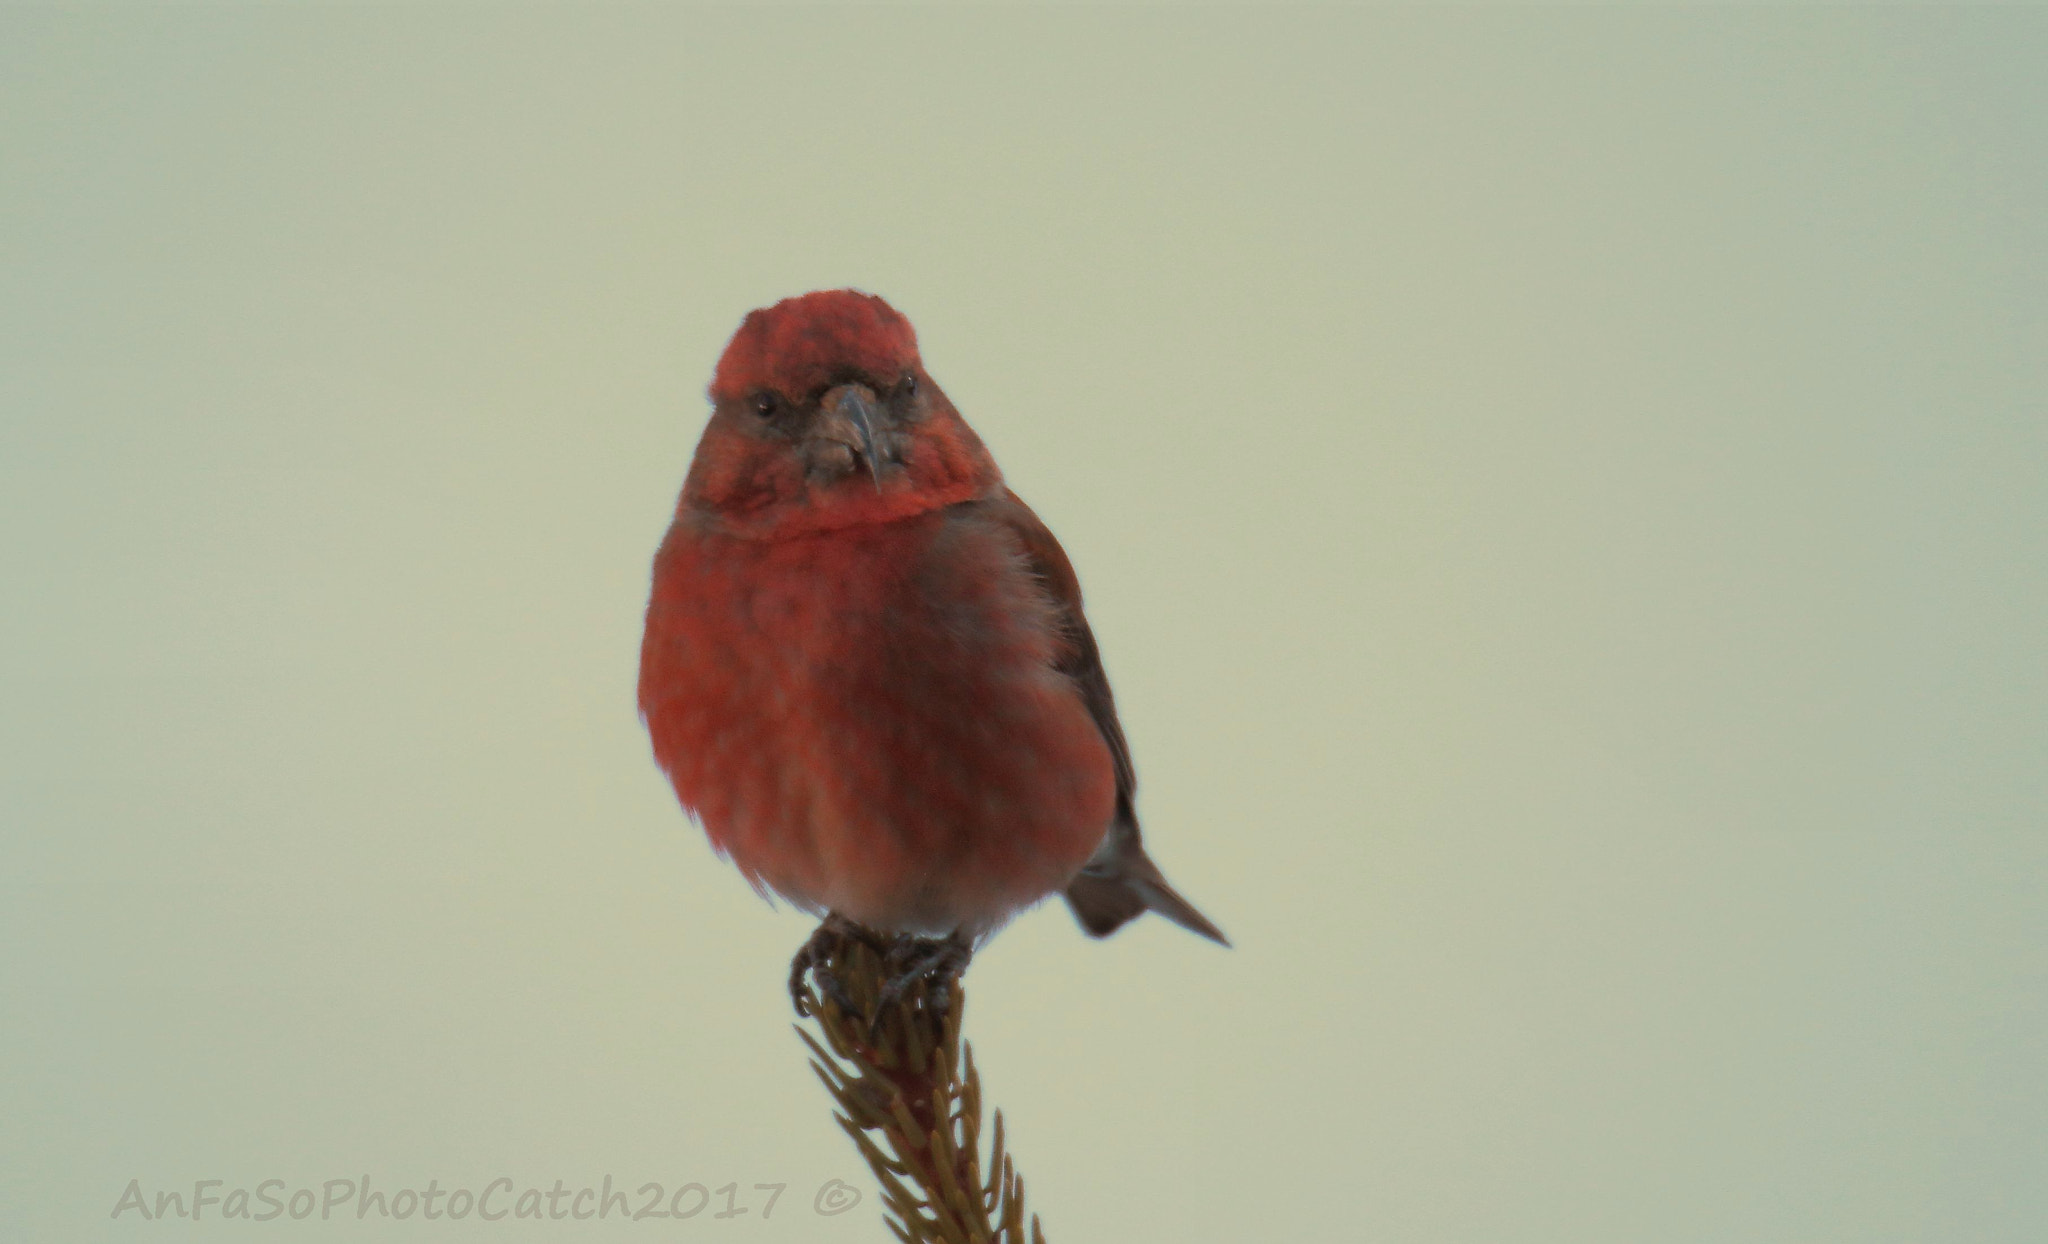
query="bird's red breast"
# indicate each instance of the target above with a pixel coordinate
(868, 720)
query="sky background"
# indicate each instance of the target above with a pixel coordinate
(1562, 494)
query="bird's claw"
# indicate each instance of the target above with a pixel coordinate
(937, 962)
(908, 961)
(814, 960)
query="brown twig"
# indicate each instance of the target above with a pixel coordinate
(906, 1078)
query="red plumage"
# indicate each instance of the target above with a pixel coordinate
(865, 669)
(799, 344)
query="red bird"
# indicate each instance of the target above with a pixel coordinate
(866, 669)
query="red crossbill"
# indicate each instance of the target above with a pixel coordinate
(866, 669)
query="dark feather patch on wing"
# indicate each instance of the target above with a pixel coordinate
(1079, 659)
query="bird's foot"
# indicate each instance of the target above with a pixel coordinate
(938, 962)
(814, 960)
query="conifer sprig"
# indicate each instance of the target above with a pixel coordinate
(910, 1097)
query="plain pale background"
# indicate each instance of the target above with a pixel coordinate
(1563, 496)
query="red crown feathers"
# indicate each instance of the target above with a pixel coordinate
(804, 343)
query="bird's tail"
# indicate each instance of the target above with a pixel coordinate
(1122, 883)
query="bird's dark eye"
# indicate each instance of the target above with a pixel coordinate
(908, 385)
(765, 404)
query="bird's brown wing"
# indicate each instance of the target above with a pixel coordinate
(1120, 882)
(1077, 658)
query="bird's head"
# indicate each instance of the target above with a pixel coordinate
(823, 417)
